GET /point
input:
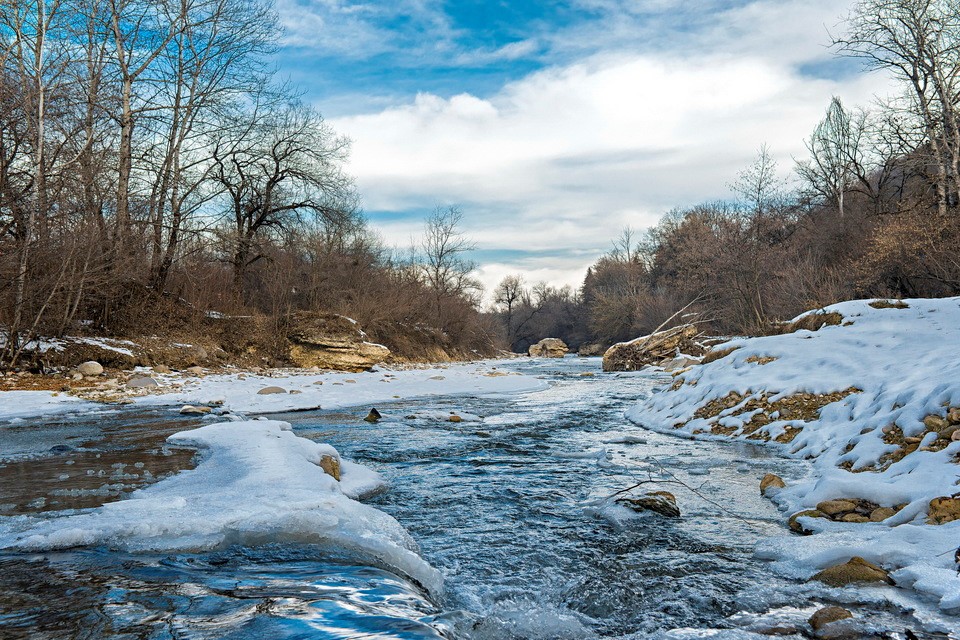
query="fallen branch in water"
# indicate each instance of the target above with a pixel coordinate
(675, 480)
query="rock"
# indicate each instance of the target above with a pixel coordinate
(947, 432)
(586, 374)
(827, 615)
(195, 370)
(953, 415)
(678, 363)
(190, 410)
(144, 382)
(266, 391)
(771, 481)
(654, 349)
(548, 348)
(955, 436)
(77, 376)
(455, 418)
(161, 368)
(373, 416)
(853, 571)
(943, 510)
(330, 466)
(795, 525)
(834, 507)
(592, 349)
(935, 423)
(662, 502)
(90, 368)
(330, 341)
(881, 513)
(854, 517)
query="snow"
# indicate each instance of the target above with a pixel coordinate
(17, 405)
(256, 482)
(308, 390)
(904, 364)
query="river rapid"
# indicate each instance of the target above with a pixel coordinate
(512, 508)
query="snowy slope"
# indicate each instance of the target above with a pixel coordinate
(888, 369)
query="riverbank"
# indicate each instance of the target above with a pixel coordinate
(871, 397)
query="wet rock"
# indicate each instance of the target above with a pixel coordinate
(881, 513)
(190, 410)
(373, 416)
(795, 525)
(455, 418)
(548, 348)
(586, 374)
(835, 507)
(330, 466)
(144, 382)
(654, 349)
(853, 571)
(826, 615)
(771, 482)
(662, 502)
(266, 391)
(90, 368)
(953, 415)
(943, 510)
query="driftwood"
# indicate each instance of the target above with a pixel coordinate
(654, 349)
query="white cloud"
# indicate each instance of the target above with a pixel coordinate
(562, 159)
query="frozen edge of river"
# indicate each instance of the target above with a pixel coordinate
(256, 482)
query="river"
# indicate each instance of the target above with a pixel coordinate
(510, 508)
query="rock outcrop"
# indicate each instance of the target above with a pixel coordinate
(548, 348)
(654, 349)
(330, 341)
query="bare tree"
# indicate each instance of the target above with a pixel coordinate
(919, 42)
(445, 266)
(282, 168)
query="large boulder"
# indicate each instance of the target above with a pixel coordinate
(548, 348)
(653, 349)
(330, 341)
(853, 571)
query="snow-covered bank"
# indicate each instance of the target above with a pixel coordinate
(256, 482)
(298, 389)
(869, 398)
(17, 405)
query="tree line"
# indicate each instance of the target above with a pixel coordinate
(148, 151)
(872, 211)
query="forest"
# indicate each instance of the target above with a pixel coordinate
(155, 170)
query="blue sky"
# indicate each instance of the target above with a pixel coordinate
(554, 125)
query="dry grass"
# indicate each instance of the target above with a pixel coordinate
(809, 322)
(801, 407)
(715, 354)
(889, 304)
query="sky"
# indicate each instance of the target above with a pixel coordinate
(555, 125)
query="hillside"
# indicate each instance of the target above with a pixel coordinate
(872, 396)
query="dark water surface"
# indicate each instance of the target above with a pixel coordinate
(510, 508)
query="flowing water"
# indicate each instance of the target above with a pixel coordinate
(511, 508)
